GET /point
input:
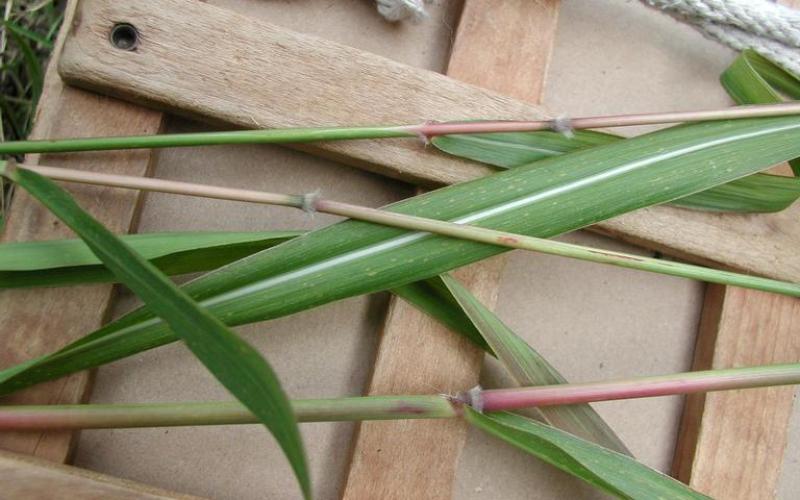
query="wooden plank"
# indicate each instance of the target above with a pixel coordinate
(505, 46)
(243, 72)
(22, 476)
(405, 459)
(731, 443)
(37, 321)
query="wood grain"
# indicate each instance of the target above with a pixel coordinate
(494, 37)
(239, 71)
(405, 459)
(203, 61)
(25, 477)
(731, 443)
(417, 355)
(38, 321)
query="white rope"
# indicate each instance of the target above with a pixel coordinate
(399, 10)
(759, 17)
(735, 38)
(770, 29)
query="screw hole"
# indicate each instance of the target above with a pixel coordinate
(124, 36)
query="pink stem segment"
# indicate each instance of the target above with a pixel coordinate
(433, 129)
(682, 383)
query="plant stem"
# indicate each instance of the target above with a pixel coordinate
(16, 418)
(462, 231)
(219, 413)
(265, 136)
(610, 121)
(424, 130)
(683, 383)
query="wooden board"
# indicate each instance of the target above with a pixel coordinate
(191, 69)
(25, 477)
(494, 36)
(417, 353)
(732, 443)
(38, 320)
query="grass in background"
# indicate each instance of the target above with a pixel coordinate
(27, 35)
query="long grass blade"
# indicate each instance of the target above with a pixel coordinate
(237, 366)
(71, 262)
(543, 199)
(604, 469)
(529, 368)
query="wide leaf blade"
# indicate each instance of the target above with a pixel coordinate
(239, 367)
(69, 262)
(542, 199)
(607, 470)
(754, 193)
(529, 368)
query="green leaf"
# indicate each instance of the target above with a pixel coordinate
(754, 193)
(68, 262)
(237, 366)
(529, 368)
(607, 470)
(512, 149)
(754, 79)
(543, 199)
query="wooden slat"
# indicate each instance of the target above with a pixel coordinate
(505, 46)
(418, 459)
(37, 321)
(25, 477)
(246, 73)
(731, 443)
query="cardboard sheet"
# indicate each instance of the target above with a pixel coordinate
(592, 322)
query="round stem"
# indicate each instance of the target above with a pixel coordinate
(552, 247)
(590, 122)
(414, 223)
(646, 387)
(425, 130)
(265, 136)
(392, 407)
(107, 416)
